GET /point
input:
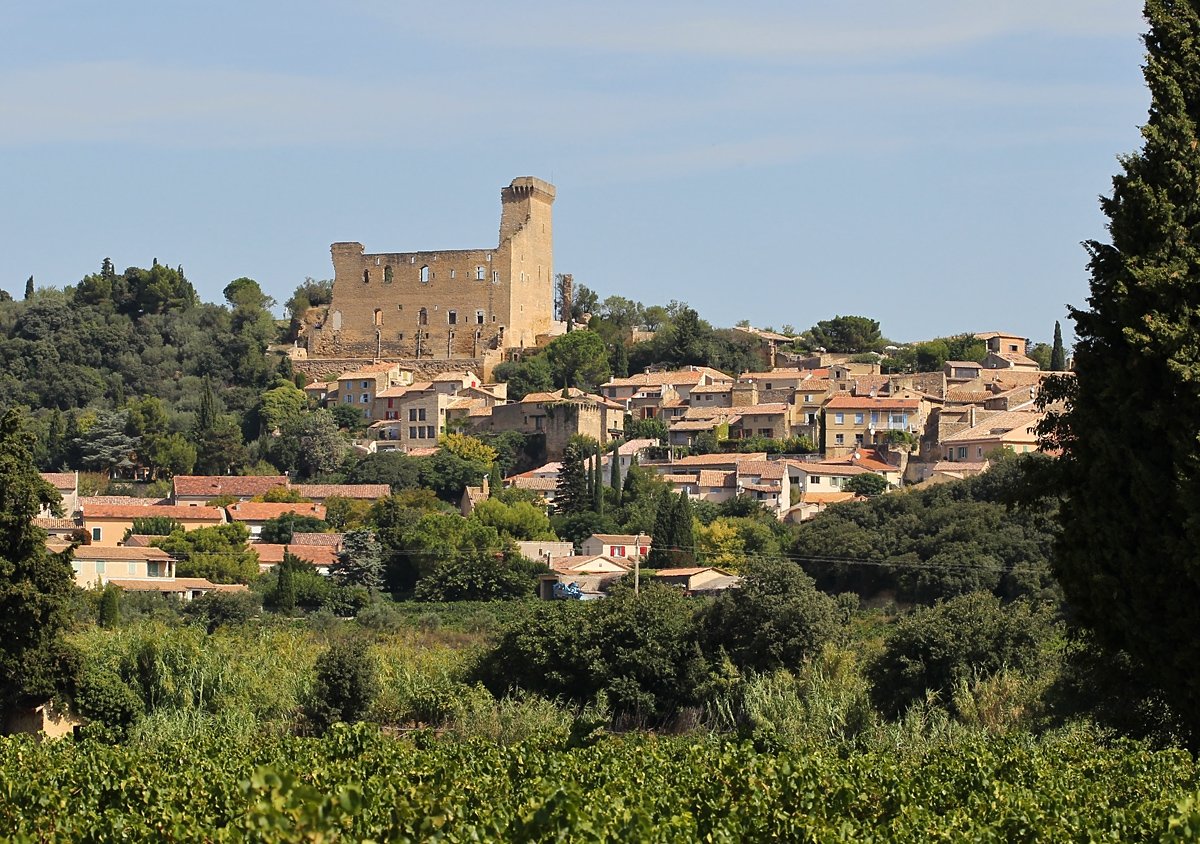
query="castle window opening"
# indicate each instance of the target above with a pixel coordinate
(412, 259)
(479, 317)
(378, 261)
(379, 316)
(495, 276)
(366, 276)
(452, 317)
(453, 273)
(425, 274)
(488, 257)
(422, 317)
(388, 274)
(479, 274)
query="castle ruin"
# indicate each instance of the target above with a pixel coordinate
(451, 304)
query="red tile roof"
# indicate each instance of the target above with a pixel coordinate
(239, 486)
(260, 511)
(133, 511)
(120, 552)
(272, 554)
(59, 480)
(871, 403)
(369, 492)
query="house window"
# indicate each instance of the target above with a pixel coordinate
(390, 402)
(349, 398)
(452, 317)
(858, 438)
(858, 419)
(838, 418)
(95, 534)
(364, 385)
(366, 397)
(768, 385)
(152, 569)
(617, 550)
(814, 479)
(412, 432)
(479, 273)
(432, 434)
(962, 452)
(412, 414)
(425, 275)
(808, 398)
(421, 414)
(100, 566)
(839, 439)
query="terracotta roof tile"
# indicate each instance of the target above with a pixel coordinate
(843, 402)
(126, 511)
(239, 486)
(260, 511)
(59, 480)
(120, 552)
(368, 492)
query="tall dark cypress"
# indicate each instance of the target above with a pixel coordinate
(1058, 355)
(614, 474)
(1130, 466)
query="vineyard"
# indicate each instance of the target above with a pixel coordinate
(359, 784)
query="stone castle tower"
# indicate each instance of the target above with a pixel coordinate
(459, 303)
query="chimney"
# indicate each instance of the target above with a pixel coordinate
(971, 416)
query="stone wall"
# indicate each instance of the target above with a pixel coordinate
(447, 304)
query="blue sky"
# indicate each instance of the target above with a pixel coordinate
(932, 165)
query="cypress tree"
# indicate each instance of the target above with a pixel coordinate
(629, 488)
(684, 540)
(110, 607)
(614, 474)
(661, 544)
(571, 492)
(1058, 356)
(206, 418)
(29, 288)
(1130, 466)
(597, 483)
(35, 585)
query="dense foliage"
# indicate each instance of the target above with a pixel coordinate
(1130, 467)
(356, 784)
(920, 544)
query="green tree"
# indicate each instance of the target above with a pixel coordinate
(1058, 355)
(399, 471)
(479, 577)
(578, 359)
(346, 684)
(283, 596)
(867, 484)
(776, 619)
(1130, 466)
(281, 529)
(156, 526)
(848, 334)
(110, 607)
(35, 585)
(519, 520)
(529, 375)
(934, 648)
(614, 473)
(360, 562)
(28, 288)
(571, 493)
(218, 553)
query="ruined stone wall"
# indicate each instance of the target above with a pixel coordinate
(447, 304)
(327, 369)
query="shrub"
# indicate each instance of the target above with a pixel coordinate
(347, 681)
(776, 619)
(969, 637)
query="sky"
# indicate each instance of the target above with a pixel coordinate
(932, 165)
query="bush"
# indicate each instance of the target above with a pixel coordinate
(218, 608)
(346, 684)
(970, 638)
(777, 619)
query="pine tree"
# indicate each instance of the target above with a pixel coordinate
(1058, 357)
(35, 585)
(28, 288)
(360, 562)
(1130, 465)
